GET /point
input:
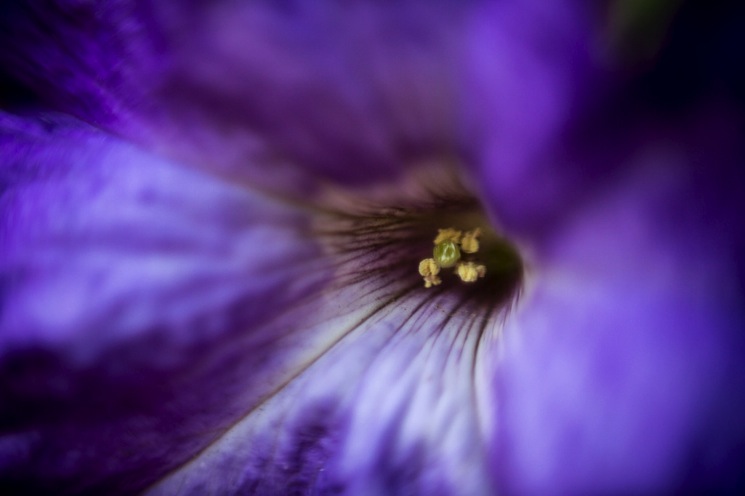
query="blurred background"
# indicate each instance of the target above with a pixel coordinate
(677, 52)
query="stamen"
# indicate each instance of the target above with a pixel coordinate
(470, 272)
(448, 234)
(429, 269)
(447, 253)
(470, 241)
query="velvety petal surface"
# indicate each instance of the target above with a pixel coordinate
(621, 367)
(393, 408)
(528, 72)
(355, 92)
(350, 91)
(132, 290)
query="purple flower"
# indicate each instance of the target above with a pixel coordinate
(211, 217)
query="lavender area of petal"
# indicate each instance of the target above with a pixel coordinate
(624, 356)
(392, 408)
(130, 303)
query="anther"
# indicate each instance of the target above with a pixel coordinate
(470, 241)
(470, 272)
(429, 269)
(448, 234)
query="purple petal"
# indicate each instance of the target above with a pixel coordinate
(392, 408)
(139, 302)
(622, 369)
(529, 71)
(163, 315)
(356, 93)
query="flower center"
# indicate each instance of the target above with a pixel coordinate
(384, 245)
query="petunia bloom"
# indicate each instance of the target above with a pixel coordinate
(211, 220)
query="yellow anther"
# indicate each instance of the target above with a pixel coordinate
(469, 271)
(429, 269)
(470, 241)
(448, 234)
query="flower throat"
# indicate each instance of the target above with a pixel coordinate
(439, 243)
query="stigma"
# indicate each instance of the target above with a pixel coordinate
(450, 244)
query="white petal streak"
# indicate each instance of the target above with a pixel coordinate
(399, 413)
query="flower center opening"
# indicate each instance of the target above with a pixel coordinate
(385, 245)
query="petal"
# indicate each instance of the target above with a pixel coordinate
(133, 294)
(392, 408)
(529, 71)
(355, 92)
(623, 361)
